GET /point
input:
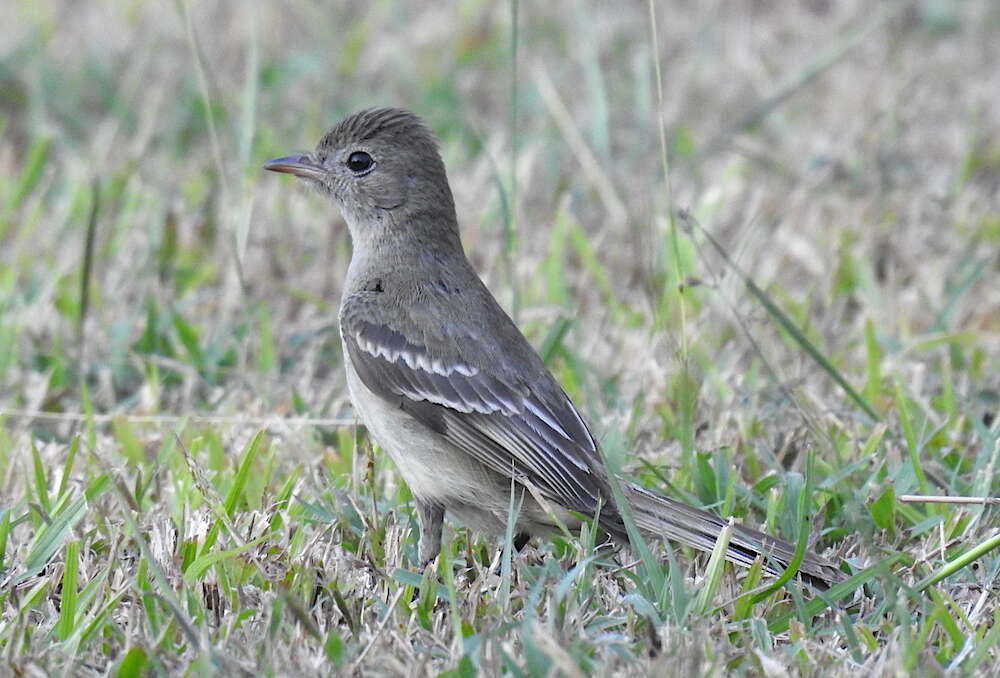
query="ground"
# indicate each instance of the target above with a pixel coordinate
(758, 243)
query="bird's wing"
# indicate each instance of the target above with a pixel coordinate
(533, 434)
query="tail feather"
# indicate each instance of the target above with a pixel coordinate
(659, 516)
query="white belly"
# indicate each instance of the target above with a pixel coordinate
(435, 470)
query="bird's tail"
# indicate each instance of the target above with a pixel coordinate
(659, 516)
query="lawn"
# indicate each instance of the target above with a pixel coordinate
(757, 243)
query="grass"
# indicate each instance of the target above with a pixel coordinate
(784, 308)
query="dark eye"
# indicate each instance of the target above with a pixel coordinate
(360, 162)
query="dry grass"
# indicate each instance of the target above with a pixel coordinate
(847, 161)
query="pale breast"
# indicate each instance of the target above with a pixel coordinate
(435, 470)
(432, 467)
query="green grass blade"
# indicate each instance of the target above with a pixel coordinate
(41, 481)
(74, 447)
(31, 173)
(913, 446)
(200, 565)
(714, 570)
(4, 535)
(88, 263)
(52, 536)
(956, 564)
(803, 341)
(68, 600)
(835, 593)
(242, 473)
(789, 326)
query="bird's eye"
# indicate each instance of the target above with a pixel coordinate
(360, 162)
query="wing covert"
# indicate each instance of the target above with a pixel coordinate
(509, 427)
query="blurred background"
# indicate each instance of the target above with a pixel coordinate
(846, 158)
(621, 171)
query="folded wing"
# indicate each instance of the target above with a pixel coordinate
(534, 435)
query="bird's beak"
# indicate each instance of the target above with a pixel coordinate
(299, 165)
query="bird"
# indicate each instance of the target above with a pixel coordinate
(448, 386)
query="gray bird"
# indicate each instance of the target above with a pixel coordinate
(446, 383)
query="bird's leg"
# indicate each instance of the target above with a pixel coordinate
(431, 522)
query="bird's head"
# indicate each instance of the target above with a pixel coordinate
(380, 166)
